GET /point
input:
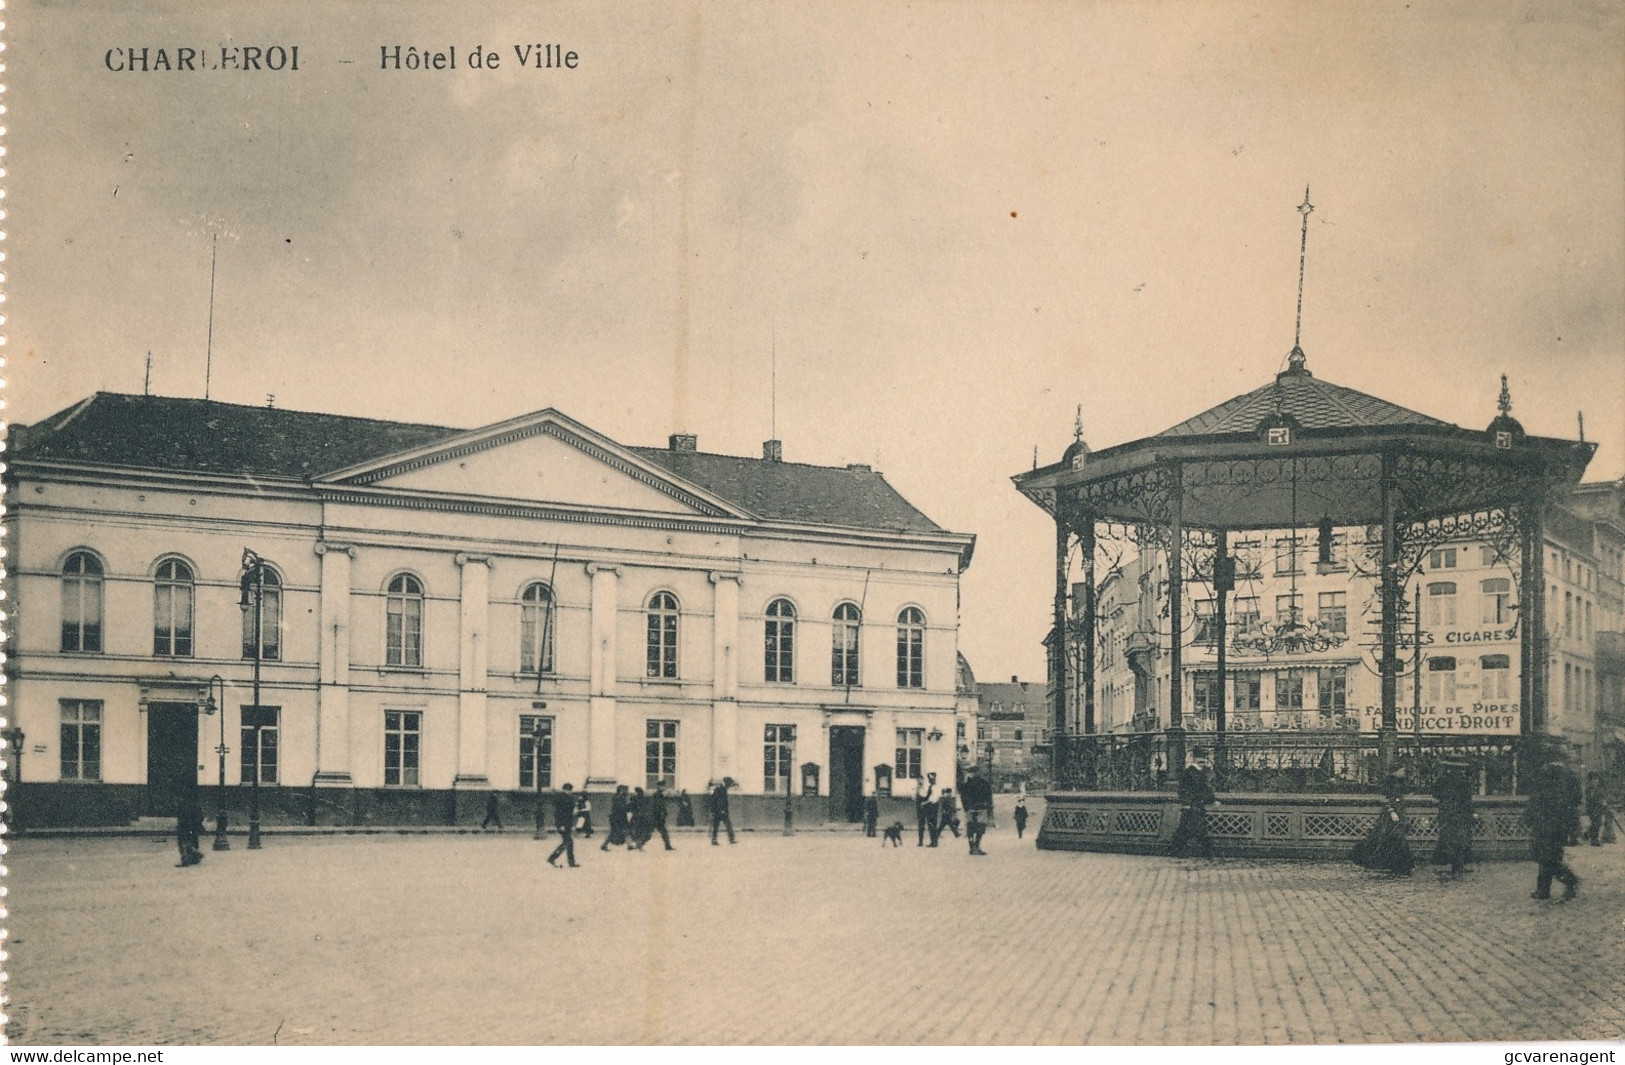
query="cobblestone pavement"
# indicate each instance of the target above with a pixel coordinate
(820, 938)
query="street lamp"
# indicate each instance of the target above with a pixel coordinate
(14, 738)
(211, 706)
(253, 580)
(538, 730)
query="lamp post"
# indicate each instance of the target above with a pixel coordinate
(211, 705)
(538, 730)
(14, 738)
(253, 580)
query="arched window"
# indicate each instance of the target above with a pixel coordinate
(268, 617)
(844, 646)
(911, 648)
(537, 625)
(663, 635)
(82, 602)
(780, 650)
(403, 622)
(172, 609)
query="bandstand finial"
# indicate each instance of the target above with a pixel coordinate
(1505, 402)
(1077, 425)
(1296, 360)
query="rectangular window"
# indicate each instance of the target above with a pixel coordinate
(403, 636)
(1442, 558)
(403, 731)
(1249, 556)
(910, 750)
(1495, 681)
(1205, 693)
(535, 750)
(1440, 605)
(778, 758)
(1249, 691)
(1288, 608)
(81, 739)
(1488, 556)
(1288, 692)
(82, 606)
(1334, 611)
(1497, 601)
(660, 754)
(1246, 613)
(1333, 697)
(1286, 555)
(1207, 622)
(1441, 681)
(260, 751)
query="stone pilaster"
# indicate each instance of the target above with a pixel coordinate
(474, 611)
(333, 667)
(601, 768)
(725, 668)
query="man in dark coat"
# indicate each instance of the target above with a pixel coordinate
(871, 814)
(1195, 793)
(657, 815)
(719, 810)
(978, 796)
(188, 822)
(564, 820)
(619, 815)
(1454, 793)
(1553, 814)
(638, 817)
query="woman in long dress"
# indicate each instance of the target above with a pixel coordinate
(1455, 820)
(1385, 848)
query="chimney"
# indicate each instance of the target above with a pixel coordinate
(773, 450)
(1012, 678)
(684, 442)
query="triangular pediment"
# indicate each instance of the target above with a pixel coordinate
(541, 458)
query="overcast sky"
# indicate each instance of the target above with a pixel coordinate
(958, 220)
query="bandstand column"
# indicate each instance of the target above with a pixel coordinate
(1532, 646)
(1086, 539)
(1176, 621)
(1223, 581)
(1388, 732)
(1058, 749)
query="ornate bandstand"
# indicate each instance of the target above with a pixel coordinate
(1374, 487)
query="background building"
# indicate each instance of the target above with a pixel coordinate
(1326, 678)
(446, 612)
(1010, 732)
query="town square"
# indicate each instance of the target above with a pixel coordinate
(905, 525)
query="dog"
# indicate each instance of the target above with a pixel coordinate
(893, 834)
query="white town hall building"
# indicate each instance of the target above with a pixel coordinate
(449, 612)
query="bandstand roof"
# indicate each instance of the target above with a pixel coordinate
(1325, 460)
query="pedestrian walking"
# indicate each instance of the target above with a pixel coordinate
(1454, 793)
(564, 820)
(618, 818)
(1553, 814)
(719, 810)
(1384, 848)
(1599, 817)
(657, 815)
(188, 822)
(637, 814)
(931, 806)
(919, 808)
(685, 810)
(1020, 815)
(584, 816)
(871, 814)
(1195, 794)
(978, 796)
(949, 815)
(493, 813)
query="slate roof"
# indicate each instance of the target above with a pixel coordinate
(210, 437)
(793, 491)
(1316, 404)
(207, 436)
